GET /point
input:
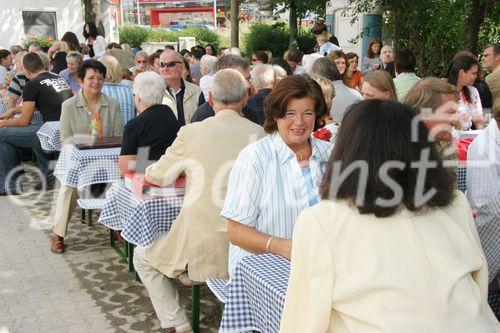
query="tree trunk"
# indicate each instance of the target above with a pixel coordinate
(293, 25)
(479, 10)
(93, 14)
(235, 27)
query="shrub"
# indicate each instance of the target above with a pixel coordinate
(275, 38)
(133, 36)
(203, 36)
(265, 37)
(306, 41)
(161, 36)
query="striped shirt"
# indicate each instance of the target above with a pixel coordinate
(16, 86)
(122, 93)
(483, 166)
(267, 190)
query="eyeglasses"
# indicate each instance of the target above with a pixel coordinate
(169, 64)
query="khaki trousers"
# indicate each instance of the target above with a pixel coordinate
(161, 290)
(65, 205)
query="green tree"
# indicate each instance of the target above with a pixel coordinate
(435, 29)
(297, 10)
(92, 13)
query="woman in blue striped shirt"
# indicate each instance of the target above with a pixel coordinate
(275, 178)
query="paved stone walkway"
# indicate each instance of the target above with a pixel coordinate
(87, 289)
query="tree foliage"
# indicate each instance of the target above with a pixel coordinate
(92, 13)
(297, 11)
(435, 29)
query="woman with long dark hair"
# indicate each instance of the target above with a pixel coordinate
(392, 246)
(95, 42)
(462, 73)
(59, 50)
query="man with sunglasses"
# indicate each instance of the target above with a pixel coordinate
(181, 96)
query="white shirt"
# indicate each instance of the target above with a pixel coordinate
(411, 272)
(3, 71)
(344, 97)
(483, 166)
(474, 108)
(99, 46)
(206, 84)
(299, 70)
(328, 48)
(266, 188)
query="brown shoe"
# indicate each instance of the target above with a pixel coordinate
(56, 244)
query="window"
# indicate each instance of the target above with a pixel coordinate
(40, 24)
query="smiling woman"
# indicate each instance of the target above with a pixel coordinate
(91, 113)
(275, 178)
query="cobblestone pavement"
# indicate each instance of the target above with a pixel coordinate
(87, 289)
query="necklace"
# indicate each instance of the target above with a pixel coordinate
(303, 155)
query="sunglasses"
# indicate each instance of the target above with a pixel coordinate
(169, 64)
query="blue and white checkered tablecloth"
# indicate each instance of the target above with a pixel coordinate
(49, 136)
(80, 168)
(256, 294)
(3, 106)
(219, 288)
(35, 120)
(140, 220)
(462, 178)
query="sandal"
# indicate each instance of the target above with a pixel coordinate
(57, 244)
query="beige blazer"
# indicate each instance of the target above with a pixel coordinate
(191, 98)
(408, 273)
(493, 81)
(205, 152)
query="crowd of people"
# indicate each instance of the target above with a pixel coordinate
(375, 242)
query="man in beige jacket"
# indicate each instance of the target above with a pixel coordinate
(197, 242)
(181, 96)
(491, 61)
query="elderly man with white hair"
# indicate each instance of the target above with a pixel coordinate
(207, 68)
(196, 247)
(240, 64)
(154, 128)
(263, 79)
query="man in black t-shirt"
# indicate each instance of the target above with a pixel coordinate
(154, 129)
(45, 92)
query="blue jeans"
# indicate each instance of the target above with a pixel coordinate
(12, 138)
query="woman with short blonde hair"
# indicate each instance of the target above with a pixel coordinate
(114, 70)
(115, 87)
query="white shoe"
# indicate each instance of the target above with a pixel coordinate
(184, 328)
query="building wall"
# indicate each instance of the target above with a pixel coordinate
(69, 17)
(339, 15)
